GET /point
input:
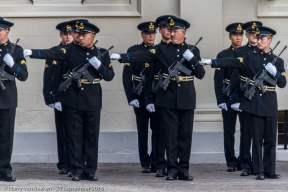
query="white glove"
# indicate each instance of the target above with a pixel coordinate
(271, 69)
(51, 105)
(223, 106)
(286, 66)
(206, 62)
(27, 52)
(235, 107)
(115, 56)
(134, 103)
(150, 108)
(95, 62)
(188, 55)
(8, 60)
(58, 106)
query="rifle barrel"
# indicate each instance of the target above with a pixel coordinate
(199, 40)
(282, 51)
(276, 45)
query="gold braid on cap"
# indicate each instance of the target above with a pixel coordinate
(151, 26)
(68, 27)
(76, 24)
(239, 27)
(257, 31)
(254, 25)
(171, 23)
(81, 26)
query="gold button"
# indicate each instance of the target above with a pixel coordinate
(264, 59)
(177, 55)
(178, 50)
(0, 49)
(260, 94)
(87, 53)
(82, 88)
(50, 92)
(86, 58)
(179, 85)
(178, 73)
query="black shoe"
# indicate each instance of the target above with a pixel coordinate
(160, 173)
(231, 169)
(272, 176)
(70, 174)
(7, 177)
(146, 170)
(245, 172)
(171, 176)
(77, 177)
(90, 177)
(185, 176)
(260, 176)
(63, 171)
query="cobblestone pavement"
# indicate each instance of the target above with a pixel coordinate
(128, 177)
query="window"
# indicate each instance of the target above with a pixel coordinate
(66, 8)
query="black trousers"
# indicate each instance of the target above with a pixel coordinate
(229, 127)
(142, 122)
(159, 135)
(7, 121)
(179, 127)
(61, 136)
(82, 126)
(245, 140)
(264, 133)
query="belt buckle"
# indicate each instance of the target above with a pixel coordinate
(82, 81)
(181, 78)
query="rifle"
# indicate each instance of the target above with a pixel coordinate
(140, 85)
(3, 73)
(262, 78)
(156, 87)
(77, 73)
(175, 68)
(249, 81)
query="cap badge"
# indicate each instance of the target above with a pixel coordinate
(171, 23)
(239, 27)
(254, 25)
(257, 31)
(68, 27)
(81, 26)
(151, 26)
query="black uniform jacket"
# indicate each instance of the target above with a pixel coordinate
(131, 69)
(220, 75)
(89, 97)
(9, 97)
(264, 105)
(53, 76)
(177, 96)
(236, 93)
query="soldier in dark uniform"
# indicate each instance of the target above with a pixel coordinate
(179, 99)
(154, 72)
(82, 103)
(15, 65)
(236, 82)
(223, 96)
(52, 78)
(75, 34)
(136, 97)
(263, 107)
